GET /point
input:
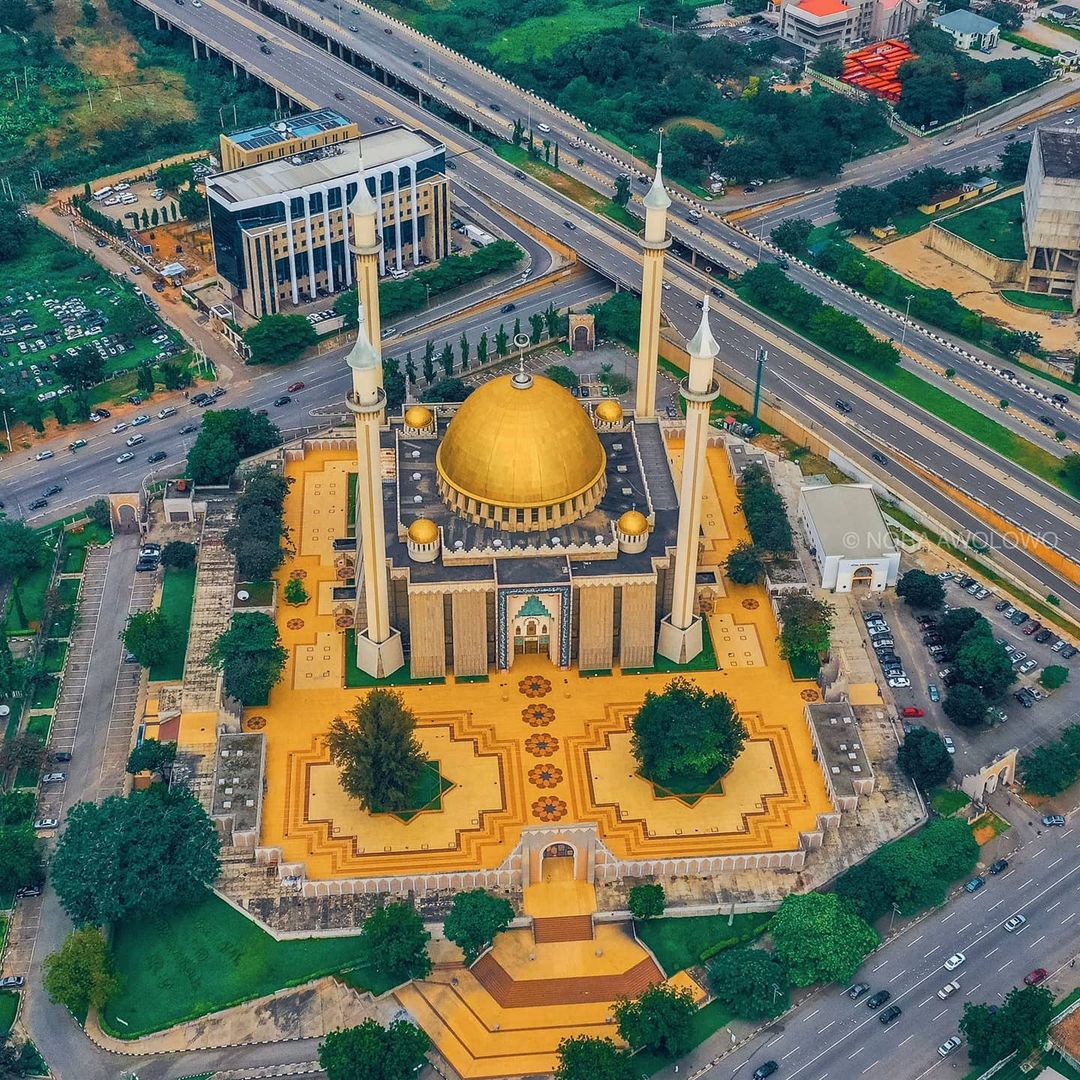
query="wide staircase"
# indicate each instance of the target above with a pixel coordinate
(563, 928)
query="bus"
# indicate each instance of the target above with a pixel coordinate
(104, 193)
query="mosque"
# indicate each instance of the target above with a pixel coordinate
(523, 521)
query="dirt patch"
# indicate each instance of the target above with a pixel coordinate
(984, 834)
(701, 125)
(912, 258)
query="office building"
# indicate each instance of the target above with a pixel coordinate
(813, 24)
(285, 138)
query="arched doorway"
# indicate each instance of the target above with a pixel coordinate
(863, 577)
(126, 519)
(557, 863)
(532, 628)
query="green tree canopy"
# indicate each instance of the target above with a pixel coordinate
(829, 61)
(151, 756)
(1052, 767)
(15, 225)
(752, 983)
(861, 208)
(372, 1052)
(807, 626)
(448, 390)
(965, 705)
(1054, 676)
(924, 758)
(819, 938)
(84, 369)
(584, 1058)
(659, 1020)
(251, 656)
(279, 339)
(150, 637)
(563, 375)
(395, 939)
(80, 974)
(21, 549)
(921, 590)
(1019, 1025)
(685, 730)
(179, 553)
(981, 661)
(259, 534)
(226, 437)
(793, 234)
(20, 856)
(956, 624)
(475, 918)
(619, 317)
(766, 516)
(647, 901)
(375, 748)
(153, 850)
(744, 565)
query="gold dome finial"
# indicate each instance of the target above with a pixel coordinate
(609, 411)
(423, 531)
(633, 523)
(418, 417)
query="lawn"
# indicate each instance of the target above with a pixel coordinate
(26, 606)
(55, 654)
(679, 943)
(1037, 301)
(74, 560)
(260, 594)
(3, 938)
(357, 679)
(85, 535)
(688, 788)
(947, 801)
(9, 1007)
(542, 35)
(996, 227)
(989, 826)
(704, 661)
(185, 963)
(45, 694)
(177, 595)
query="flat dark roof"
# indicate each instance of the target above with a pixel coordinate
(1060, 150)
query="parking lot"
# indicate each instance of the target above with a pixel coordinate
(1021, 727)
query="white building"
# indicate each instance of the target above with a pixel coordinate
(968, 30)
(848, 537)
(813, 24)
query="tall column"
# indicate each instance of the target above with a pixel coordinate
(415, 214)
(680, 632)
(312, 287)
(397, 216)
(378, 645)
(366, 246)
(287, 199)
(654, 242)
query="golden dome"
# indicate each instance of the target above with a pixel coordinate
(418, 416)
(609, 411)
(521, 441)
(633, 523)
(423, 530)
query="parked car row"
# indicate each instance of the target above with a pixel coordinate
(884, 645)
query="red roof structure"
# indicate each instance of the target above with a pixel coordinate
(874, 68)
(823, 7)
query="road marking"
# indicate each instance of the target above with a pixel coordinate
(857, 1053)
(1055, 862)
(880, 966)
(992, 951)
(1005, 965)
(826, 1027)
(1055, 904)
(869, 1067)
(939, 1015)
(910, 943)
(963, 928)
(998, 904)
(789, 1053)
(931, 952)
(924, 1001)
(898, 975)
(1066, 833)
(1067, 918)
(1026, 883)
(775, 1041)
(1038, 853)
(909, 1038)
(1036, 942)
(949, 916)
(811, 1016)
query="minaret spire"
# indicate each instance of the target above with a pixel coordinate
(654, 242)
(366, 247)
(680, 632)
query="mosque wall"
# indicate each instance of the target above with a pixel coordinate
(427, 637)
(469, 633)
(596, 605)
(637, 631)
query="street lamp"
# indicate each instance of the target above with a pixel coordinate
(907, 316)
(892, 918)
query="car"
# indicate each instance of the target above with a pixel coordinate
(949, 1045)
(883, 643)
(259, 37)
(1019, 618)
(124, 457)
(954, 961)
(855, 992)
(99, 414)
(1060, 399)
(101, 243)
(388, 332)
(543, 127)
(189, 429)
(1033, 978)
(1009, 611)
(1017, 655)
(898, 684)
(157, 456)
(892, 1013)
(999, 866)
(718, 293)
(53, 489)
(569, 225)
(1015, 923)
(338, 95)
(78, 444)
(44, 455)
(139, 420)
(283, 400)
(948, 988)
(1001, 605)
(944, 673)
(28, 890)
(494, 107)
(1032, 627)
(932, 638)
(934, 692)
(766, 1068)
(135, 270)
(218, 391)
(1025, 698)
(911, 711)
(39, 504)
(381, 120)
(1053, 821)
(1028, 666)
(295, 388)
(169, 410)
(975, 884)
(45, 823)
(1043, 636)
(507, 308)
(877, 627)
(60, 756)
(1058, 645)
(879, 457)
(1069, 652)
(878, 999)
(873, 616)
(843, 406)
(145, 565)
(54, 778)
(11, 982)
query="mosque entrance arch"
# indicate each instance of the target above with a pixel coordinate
(862, 576)
(533, 622)
(558, 863)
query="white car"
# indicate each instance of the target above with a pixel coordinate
(899, 683)
(954, 961)
(124, 458)
(117, 428)
(949, 1045)
(44, 455)
(544, 128)
(46, 823)
(695, 214)
(949, 744)
(948, 989)
(54, 778)
(1014, 924)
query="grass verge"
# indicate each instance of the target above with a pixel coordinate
(186, 963)
(1026, 43)
(9, 1007)
(177, 595)
(54, 655)
(680, 943)
(26, 604)
(1037, 301)
(947, 802)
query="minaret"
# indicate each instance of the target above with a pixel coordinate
(378, 645)
(366, 247)
(680, 632)
(655, 241)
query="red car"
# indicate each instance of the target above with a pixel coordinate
(296, 386)
(1036, 977)
(911, 712)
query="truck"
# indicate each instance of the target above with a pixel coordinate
(478, 236)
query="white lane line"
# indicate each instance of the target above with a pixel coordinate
(811, 1016)
(880, 966)
(826, 1027)
(1055, 862)
(924, 1001)
(1038, 853)
(774, 1041)
(789, 1053)
(992, 951)
(1026, 883)
(898, 975)
(931, 952)
(1067, 918)
(857, 1053)
(939, 1015)
(1036, 942)
(997, 905)
(972, 989)
(869, 1067)
(910, 943)
(1052, 906)
(963, 928)
(1005, 965)
(908, 1039)
(948, 917)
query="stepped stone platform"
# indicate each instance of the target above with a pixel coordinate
(563, 928)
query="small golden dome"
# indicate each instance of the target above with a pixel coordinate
(423, 530)
(521, 441)
(418, 416)
(609, 411)
(633, 523)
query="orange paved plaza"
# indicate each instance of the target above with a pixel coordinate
(531, 746)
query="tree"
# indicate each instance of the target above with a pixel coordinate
(295, 593)
(861, 208)
(144, 379)
(536, 327)
(647, 901)
(80, 974)
(744, 564)
(819, 938)
(225, 438)
(764, 510)
(980, 661)
(807, 626)
(502, 347)
(924, 758)
(18, 1059)
(21, 549)
(192, 203)
(372, 1052)
(173, 376)
(84, 369)
(381, 761)
(829, 61)
(619, 317)
(151, 756)
(1007, 15)
(965, 705)
(1053, 676)
(1018, 1026)
(153, 850)
(752, 983)
(585, 1058)
(482, 349)
(410, 368)
(659, 1020)
(395, 939)
(20, 856)
(23, 751)
(564, 376)
(179, 553)
(279, 339)
(446, 359)
(150, 637)
(686, 731)
(955, 625)
(15, 226)
(1013, 161)
(448, 390)
(251, 656)
(475, 918)
(554, 320)
(463, 348)
(793, 234)
(921, 590)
